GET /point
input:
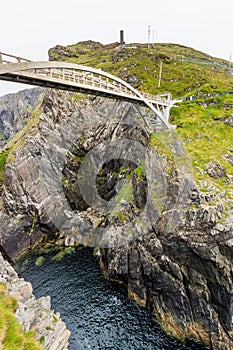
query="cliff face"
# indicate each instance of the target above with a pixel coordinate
(41, 189)
(14, 112)
(90, 175)
(34, 314)
(184, 278)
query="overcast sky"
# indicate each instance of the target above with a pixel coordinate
(29, 28)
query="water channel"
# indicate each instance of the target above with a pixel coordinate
(97, 312)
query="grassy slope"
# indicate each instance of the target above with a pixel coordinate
(185, 72)
(207, 137)
(17, 141)
(3, 157)
(179, 77)
(11, 334)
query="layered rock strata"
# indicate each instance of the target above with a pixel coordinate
(15, 110)
(160, 238)
(34, 314)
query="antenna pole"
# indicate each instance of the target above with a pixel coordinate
(148, 45)
(160, 73)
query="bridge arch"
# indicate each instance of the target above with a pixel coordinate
(74, 77)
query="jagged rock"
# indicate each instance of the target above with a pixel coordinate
(215, 170)
(229, 121)
(133, 80)
(15, 110)
(17, 236)
(184, 278)
(54, 152)
(34, 314)
(169, 250)
(228, 158)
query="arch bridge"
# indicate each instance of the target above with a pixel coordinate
(83, 79)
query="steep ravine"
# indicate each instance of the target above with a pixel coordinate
(162, 241)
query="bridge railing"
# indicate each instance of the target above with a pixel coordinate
(87, 79)
(7, 58)
(84, 78)
(74, 77)
(163, 98)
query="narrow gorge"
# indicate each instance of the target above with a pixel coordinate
(160, 231)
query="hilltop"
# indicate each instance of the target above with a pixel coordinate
(205, 83)
(185, 71)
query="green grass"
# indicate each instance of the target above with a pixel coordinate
(185, 72)
(2, 135)
(206, 136)
(181, 78)
(30, 129)
(11, 334)
(3, 159)
(139, 172)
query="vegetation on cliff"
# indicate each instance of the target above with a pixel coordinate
(11, 334)
(204, 83)
(3, 158)
(204, 121)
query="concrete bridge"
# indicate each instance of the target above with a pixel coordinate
(83, 79)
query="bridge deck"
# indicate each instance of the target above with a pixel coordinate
(78, 85)
(82, 79)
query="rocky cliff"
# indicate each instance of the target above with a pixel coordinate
(136, 200)
(184, 278)
(15, 110)
(34, 314)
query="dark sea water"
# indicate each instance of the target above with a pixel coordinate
(97, 312)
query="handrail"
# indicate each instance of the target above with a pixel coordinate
(86, 79)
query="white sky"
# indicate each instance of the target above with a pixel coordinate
(29, 28)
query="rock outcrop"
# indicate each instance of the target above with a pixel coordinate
(34, 314)
(15, 110)
(184, 277)
(158, 234)
(38, 194)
